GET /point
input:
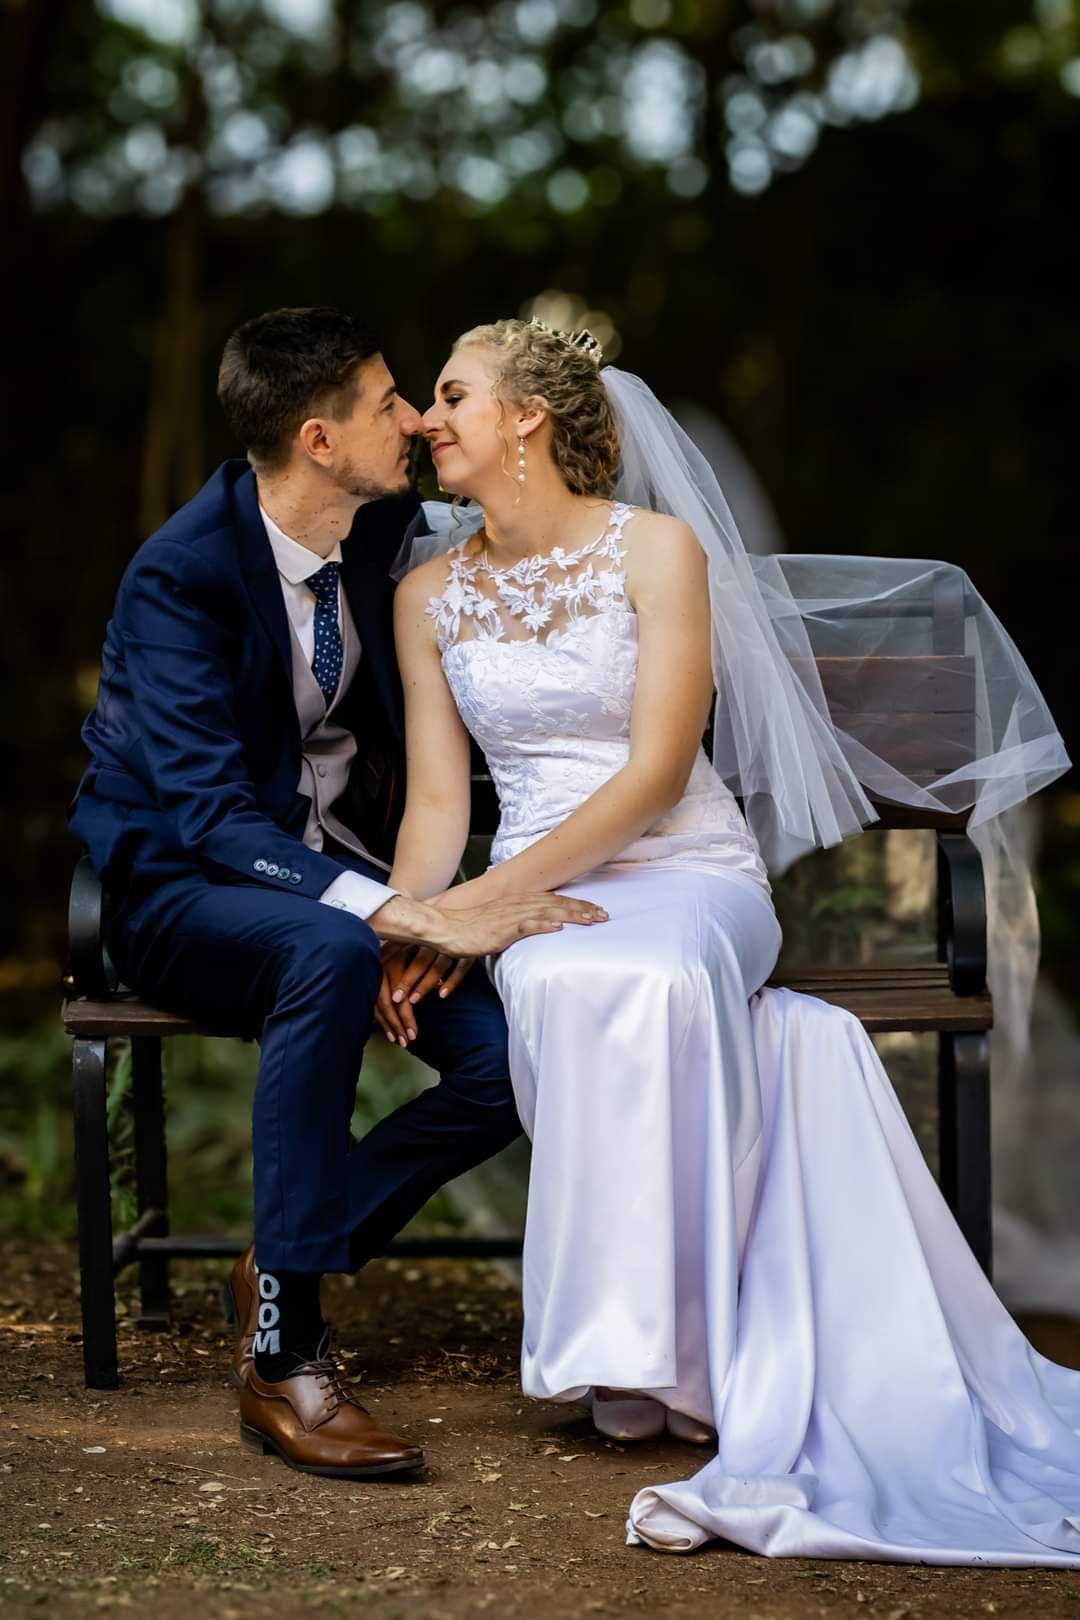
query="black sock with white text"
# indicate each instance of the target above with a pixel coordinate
(290, 1325)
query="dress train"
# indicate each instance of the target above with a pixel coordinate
(875, 1400)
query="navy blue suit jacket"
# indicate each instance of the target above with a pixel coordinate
(195, 747)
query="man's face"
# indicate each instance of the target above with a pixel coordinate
(366, 453)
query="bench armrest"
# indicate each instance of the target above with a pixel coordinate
(90, 971)
(961, 898)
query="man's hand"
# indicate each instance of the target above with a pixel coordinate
(487, 929)
(479, 930)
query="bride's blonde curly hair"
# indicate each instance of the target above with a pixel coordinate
(532, 361)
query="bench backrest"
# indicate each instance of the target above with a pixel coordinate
(917, 713)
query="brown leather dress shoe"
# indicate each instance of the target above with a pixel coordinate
(312, 1423)
(240, 1302)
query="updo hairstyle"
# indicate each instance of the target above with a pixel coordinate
(531, 361)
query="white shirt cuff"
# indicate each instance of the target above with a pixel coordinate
(360, 895)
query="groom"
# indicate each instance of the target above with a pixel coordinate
(243, 794)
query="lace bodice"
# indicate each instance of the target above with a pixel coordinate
(541, 658)
(537, 599)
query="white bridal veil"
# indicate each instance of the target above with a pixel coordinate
(947, 717)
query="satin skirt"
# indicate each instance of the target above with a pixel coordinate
(728, 1209)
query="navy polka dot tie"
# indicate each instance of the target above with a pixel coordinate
(328, 659)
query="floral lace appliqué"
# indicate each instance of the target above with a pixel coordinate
(537, 599)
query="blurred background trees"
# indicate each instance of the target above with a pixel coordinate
(848, 229)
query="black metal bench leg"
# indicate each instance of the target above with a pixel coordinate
(964, 1137)
(151, 1176)
(95, 1214)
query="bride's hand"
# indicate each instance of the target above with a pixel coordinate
(464, 896)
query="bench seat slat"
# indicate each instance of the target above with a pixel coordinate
(898, 996)
(895, 1000)
(122, 1016)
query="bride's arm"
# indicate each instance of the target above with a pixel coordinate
(435, 826)
(667, 585)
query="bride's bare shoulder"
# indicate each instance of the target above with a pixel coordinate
(427, 580)
(653, 539)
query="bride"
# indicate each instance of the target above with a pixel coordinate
(731, 1229)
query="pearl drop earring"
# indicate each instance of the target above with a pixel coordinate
(521, 461)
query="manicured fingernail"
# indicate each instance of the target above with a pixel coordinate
(413, 999)
(389, 1037)
(397, 995)
(442, 995)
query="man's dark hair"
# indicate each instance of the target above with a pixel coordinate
(280, 367)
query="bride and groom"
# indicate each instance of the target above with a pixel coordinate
(731, 1230)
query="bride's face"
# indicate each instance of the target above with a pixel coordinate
(471, 433)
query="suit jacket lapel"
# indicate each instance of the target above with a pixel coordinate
(260, 570)
(366, 553)
(366, 556)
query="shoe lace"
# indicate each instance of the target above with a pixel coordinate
(330, 1376)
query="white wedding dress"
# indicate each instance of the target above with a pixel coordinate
(727, 1207)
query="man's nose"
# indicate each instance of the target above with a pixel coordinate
(411, 421)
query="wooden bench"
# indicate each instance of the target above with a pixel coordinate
(918, 712)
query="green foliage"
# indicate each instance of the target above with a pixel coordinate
(869, 900)
(523, 110)
(34, 1151)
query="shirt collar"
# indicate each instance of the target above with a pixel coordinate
(294, 561)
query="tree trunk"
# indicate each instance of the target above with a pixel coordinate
(172, 468)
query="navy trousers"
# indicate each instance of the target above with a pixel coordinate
(302, 978)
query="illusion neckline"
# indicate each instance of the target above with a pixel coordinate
(556, 553)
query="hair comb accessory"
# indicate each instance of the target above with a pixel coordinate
(583, 339)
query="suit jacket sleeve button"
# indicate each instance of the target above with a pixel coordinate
(272, 870)
(284, 874)
(296, 877)
(260, 866)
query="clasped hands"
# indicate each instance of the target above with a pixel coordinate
(410, 972)
(488, 925)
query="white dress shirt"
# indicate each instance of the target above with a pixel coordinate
(327, 749)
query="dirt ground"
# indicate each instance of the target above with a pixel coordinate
(143, 1499)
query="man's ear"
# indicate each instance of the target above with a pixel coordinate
(314, 440)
